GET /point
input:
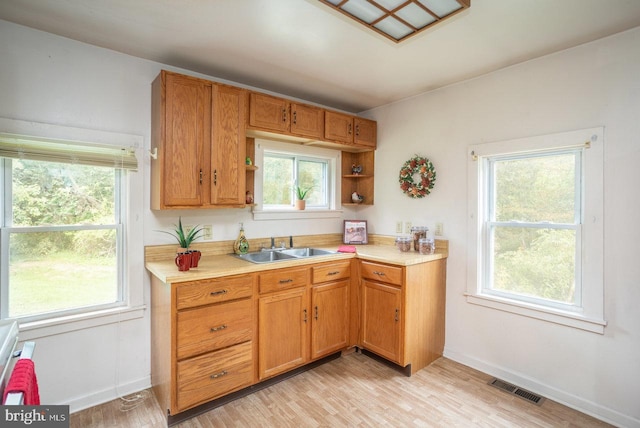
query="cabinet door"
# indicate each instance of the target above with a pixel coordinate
(338, 127)
(307, 121)
(186, 131)
(268, 112)
(330, 318)
(228, 146)
(381, 319)
(365, 132)
(283, 332)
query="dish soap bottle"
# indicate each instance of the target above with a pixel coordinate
(241, 246)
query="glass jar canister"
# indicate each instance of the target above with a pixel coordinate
(403, 243)
(427, 245)
(418, 232)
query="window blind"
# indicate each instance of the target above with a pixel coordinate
(54, 150)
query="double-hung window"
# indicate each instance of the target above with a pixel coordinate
(62, 236)
(537, 218)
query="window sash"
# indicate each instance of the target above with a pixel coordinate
(486, 285)
(7, 229)
(325, 187)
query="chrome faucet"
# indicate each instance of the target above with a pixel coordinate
(273, 243)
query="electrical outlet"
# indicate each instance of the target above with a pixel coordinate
(398, 227)
(407, 227)
(439, 229)
(207, 232)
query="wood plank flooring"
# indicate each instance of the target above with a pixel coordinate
(357, 391)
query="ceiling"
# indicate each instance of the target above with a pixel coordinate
(303, 49)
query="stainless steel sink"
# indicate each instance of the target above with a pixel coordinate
(270, 256)
(265, 256)
(307, 252)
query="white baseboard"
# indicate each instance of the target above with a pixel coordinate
(101, 397)
(570, 400)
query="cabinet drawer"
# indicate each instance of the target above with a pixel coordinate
(380, 272)
(213, 327)
(283, 279)
(197, 293)
(331, 272)
(208, 376)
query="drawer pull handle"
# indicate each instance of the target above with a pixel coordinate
(217, 375)
(335, 272)
(219, 292)
(284, 281)
(397, 318)
(220, 327)
(316, 315)
(378, 273)
(305, 315)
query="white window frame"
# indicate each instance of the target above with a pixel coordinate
(132, 302)
(333, 158)
(589, 313)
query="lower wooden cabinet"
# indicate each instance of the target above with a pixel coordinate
(203, 340)
(212, 337)
(403, 311)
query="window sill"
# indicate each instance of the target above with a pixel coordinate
(52, 326)
(568, 319)
(295, 214)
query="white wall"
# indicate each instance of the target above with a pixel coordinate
(597, 84)
(50, 79)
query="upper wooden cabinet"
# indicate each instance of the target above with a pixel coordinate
(350, 130)
(198, 130)
(279, 115)
(270, 114)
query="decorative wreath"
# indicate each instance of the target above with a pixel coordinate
(424, 168)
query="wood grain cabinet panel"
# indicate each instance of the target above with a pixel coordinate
(217, 290)
(286, 117)
(381, 319)
(209, 376)
(329, 318)
(208, 328)
(283, 320)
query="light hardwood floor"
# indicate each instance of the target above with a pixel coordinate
(357, 391)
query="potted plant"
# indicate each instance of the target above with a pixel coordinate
(184, 238)
(300, 195)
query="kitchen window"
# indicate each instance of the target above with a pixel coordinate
(64, 215)
(537, 222)
(285, 166)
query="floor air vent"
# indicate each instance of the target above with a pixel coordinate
(514, 390)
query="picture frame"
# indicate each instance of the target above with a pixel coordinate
(355, 232)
